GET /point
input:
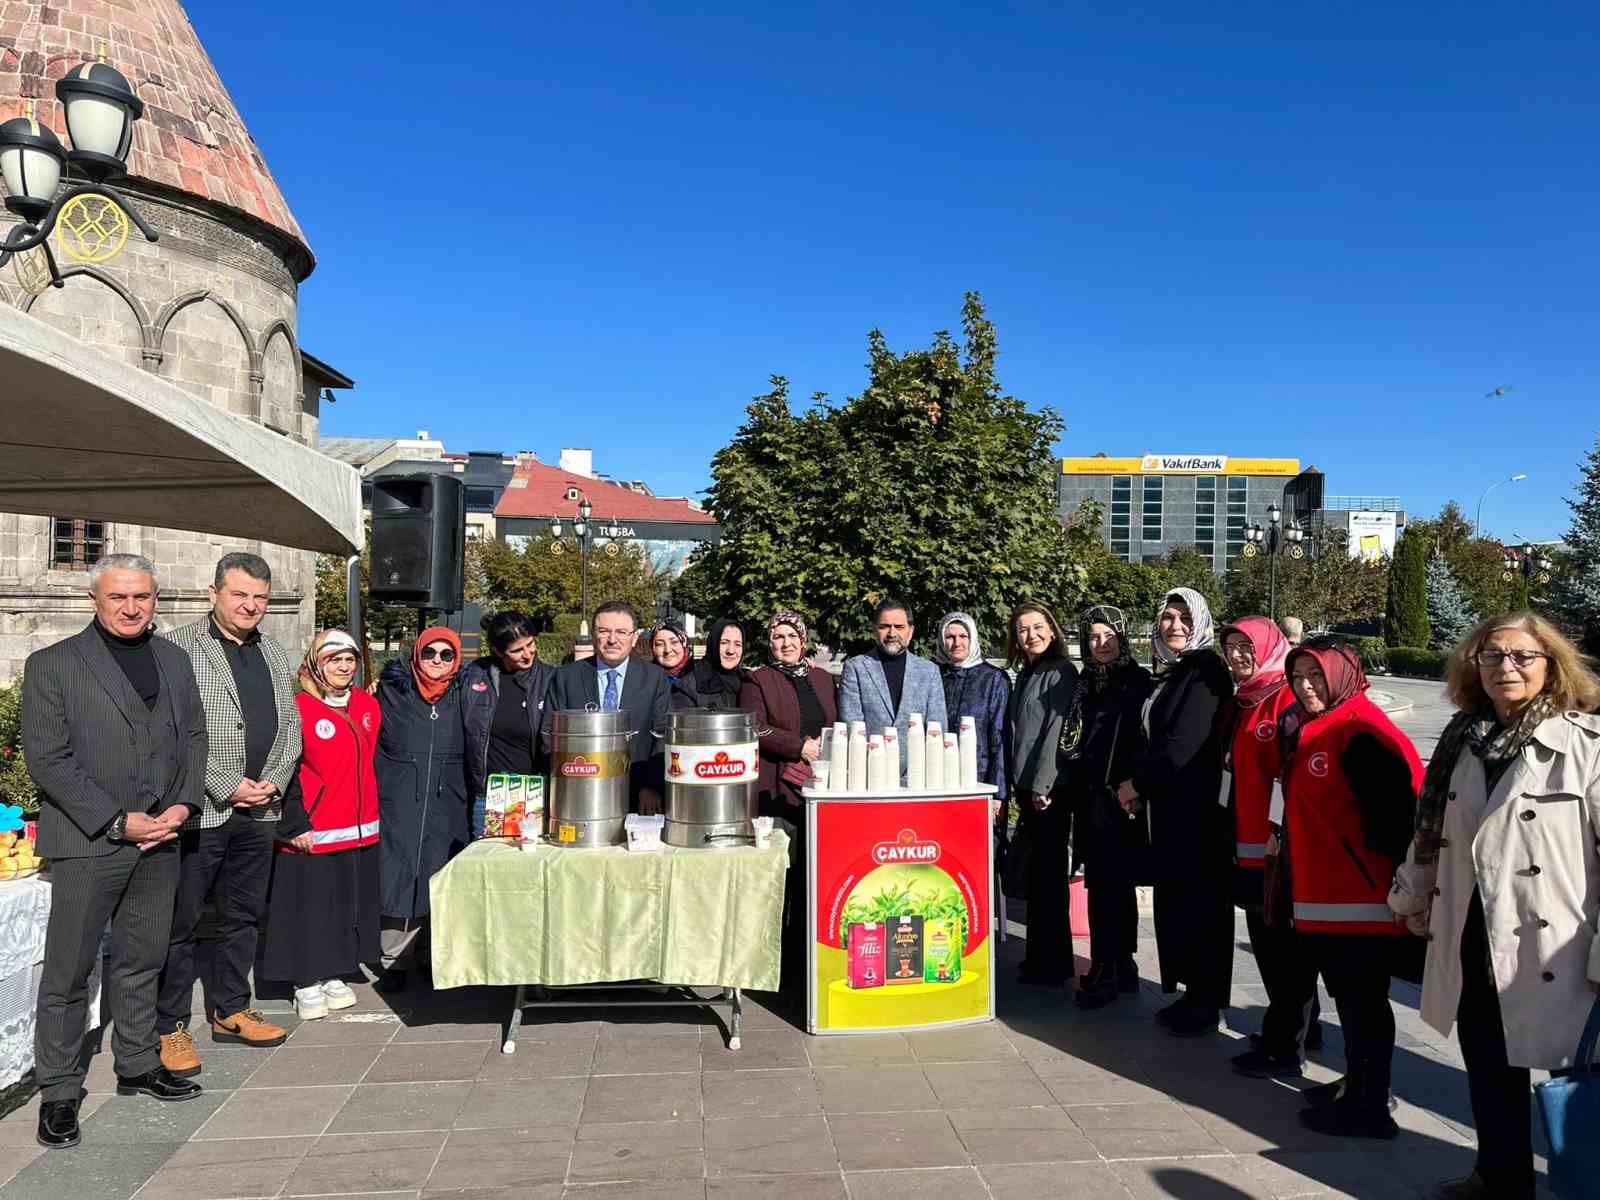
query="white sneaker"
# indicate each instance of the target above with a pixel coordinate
(337, 993)
(309, 1003)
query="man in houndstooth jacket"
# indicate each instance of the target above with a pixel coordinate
(246, 685)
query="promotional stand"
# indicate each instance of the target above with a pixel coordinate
(898, 895)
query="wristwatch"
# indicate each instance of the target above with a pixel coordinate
(118, 824)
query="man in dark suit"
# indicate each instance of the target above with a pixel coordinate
(613, 679)
(115, 739)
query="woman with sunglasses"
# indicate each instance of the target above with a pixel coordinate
(1503, 878)
(422, 790)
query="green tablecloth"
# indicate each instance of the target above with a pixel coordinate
(707, 918)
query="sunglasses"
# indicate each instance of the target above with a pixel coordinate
(442, 653)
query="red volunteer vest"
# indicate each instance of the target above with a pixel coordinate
(336, 777)
(1339, 885)
(1254, 759)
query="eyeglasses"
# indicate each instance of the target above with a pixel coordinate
(1520, 659)
(1240, 650)
(443, 653)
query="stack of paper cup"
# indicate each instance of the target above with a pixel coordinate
(858, 756)
(916, 753)
(969, 751)
(839, 758)
(952, 761)
(933, 778)
(891, 759)
(875, 760)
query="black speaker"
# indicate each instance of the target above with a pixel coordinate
(419, 530)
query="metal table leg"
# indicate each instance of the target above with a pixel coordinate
(736, 1024)
(509, 1046)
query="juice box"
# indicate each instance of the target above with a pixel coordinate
(941, 950)
(494, 805)
(533, 808)
(864, 950)
(905, 950)
(516, 791)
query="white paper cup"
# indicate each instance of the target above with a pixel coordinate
(763, 831)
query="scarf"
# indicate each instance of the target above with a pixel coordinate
(1495, 744)
(310, 678)
(797, 670)
(432, 690)
(974, 649)
(1271, 650)
(677, 631)
(1200, 637)
(1096, 677)
(710, 669)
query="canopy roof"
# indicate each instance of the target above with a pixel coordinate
(86, 435)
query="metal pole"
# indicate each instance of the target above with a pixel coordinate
(1272, 573)
(583, 584)
(356, 619)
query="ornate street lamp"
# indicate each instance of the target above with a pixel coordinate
(1273, 540)
(1532, 563)
(583, 534)
(101, 108)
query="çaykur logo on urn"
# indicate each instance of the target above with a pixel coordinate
(906, 848)
(580, 768)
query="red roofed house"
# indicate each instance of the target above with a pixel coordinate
(669, 526)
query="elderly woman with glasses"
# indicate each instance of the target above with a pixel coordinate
(1503, 877)
(422, 789)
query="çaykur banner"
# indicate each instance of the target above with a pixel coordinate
(900, 918)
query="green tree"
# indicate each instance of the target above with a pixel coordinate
(1327, 587)
(543, 579)
(1406, 620)
(16, 785)
(1576, 589)
(1474, 561)
(932, 485)
(1450, 616)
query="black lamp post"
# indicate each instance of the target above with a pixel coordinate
(101, 108)
(1271, 540)
(583, 535)
(1532, 563)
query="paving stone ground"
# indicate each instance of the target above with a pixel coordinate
(409, 1097)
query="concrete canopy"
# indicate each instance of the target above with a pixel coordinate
(86, 435)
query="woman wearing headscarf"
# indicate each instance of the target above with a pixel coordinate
(1101, 739)
(977, 689)
(669, 647)
(1176, 785)
(1034, 714)
(505, 704)
(1350, 780)
(719, 675)
(323, 914)
(422, 789)
(793, 703)
(1503, 878)
(1255, 650)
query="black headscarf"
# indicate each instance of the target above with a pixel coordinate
(709, 673)
(1094, 677)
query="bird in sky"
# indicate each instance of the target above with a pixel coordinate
(1497, 393)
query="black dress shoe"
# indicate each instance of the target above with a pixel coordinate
(1259, 1064)
(1195, 1022)
(1327, 1093)
(1127, 977)
(58, 1124)
(160, 1083)
(1344, 1119)
(1176, 1011)
(391, 981)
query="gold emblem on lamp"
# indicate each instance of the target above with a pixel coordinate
(32, 269)
(92, 229)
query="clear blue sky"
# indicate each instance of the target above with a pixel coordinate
(1312, 230)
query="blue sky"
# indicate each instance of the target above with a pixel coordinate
(1316, 230)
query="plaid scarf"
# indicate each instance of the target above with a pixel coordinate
(1495, 744)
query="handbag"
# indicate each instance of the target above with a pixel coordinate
(1569, 1106)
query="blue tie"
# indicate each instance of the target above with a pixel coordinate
(609, 704)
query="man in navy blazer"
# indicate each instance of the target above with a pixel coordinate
(885, 687)
(614, 680)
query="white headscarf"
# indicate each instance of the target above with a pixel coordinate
(974, 650)
(1200, 637)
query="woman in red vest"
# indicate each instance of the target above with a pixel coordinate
(324, 916)
(1350, 799)
(1255, 650)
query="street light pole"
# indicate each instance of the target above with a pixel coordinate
(1477, 525)
(1532, 564)
(1271, 539)
(583, 535)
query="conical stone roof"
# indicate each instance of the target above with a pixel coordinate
(191, 138)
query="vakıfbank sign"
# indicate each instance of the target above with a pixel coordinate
(1180, 464)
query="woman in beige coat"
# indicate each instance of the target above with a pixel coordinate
(1503, 877)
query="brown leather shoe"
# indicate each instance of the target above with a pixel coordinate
(247, 1026)
(178, 1053)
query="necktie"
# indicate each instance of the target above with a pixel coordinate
(609, 704)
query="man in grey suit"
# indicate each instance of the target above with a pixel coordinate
(885, 687)
(613, 679)
(115, 739)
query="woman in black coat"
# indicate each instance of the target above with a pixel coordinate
(422, 789)
(719, 676)
(1177, 783)
(506, 710)
(1101, 740)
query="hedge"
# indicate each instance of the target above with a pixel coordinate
(1374, 653)
(1413, 660)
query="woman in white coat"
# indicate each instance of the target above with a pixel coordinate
(1503, 878)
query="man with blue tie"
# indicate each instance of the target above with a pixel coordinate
(613, 680)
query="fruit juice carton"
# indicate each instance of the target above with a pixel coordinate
(864, 949)
(941, 950)
(516, 795)
(905, 950)
(494, 805)
(532, 807)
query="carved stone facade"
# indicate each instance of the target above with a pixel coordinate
(211, 306)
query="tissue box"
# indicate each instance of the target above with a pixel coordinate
(644, 831)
